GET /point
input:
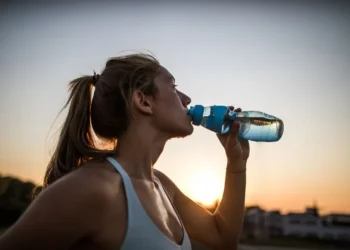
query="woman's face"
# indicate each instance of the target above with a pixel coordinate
(170, 112)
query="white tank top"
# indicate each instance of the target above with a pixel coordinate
(142, 233)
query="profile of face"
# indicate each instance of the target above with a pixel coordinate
(169, 111)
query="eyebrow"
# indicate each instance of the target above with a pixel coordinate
(171, 77)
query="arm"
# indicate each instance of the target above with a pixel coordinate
(220, 230)
(230, 212)
(60, 216)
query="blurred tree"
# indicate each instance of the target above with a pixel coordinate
(15, 197)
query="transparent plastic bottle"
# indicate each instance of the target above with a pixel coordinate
(254, 125)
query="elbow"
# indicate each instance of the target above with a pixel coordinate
(224, 242)
(231, 244)
(228, 235)
(227, 238)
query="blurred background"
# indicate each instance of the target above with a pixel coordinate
(290, 59)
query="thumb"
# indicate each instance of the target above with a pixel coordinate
(232, 139)
(222, 139)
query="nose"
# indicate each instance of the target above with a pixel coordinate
(186, 100)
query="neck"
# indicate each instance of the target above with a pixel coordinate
(137, 151)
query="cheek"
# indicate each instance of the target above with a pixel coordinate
(168, 103)
(168, 113)
(171, 101)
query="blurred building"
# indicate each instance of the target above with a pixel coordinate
(307, 224)
(336, 227)
(254, 224)
(261, 224)
(273, 223)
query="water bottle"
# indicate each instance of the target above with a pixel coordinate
(254, 125)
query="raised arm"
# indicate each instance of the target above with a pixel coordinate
(60, 216)
(220, 230)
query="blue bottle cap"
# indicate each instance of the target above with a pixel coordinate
(196, 112)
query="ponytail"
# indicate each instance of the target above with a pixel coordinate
(75, 145)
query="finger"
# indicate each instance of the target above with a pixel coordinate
(222, 138)
(244, 142)
(232, 138)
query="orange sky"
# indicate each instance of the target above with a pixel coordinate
(291, 61)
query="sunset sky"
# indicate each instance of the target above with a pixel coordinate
(288, 60)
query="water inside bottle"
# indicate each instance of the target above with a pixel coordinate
(256, 126)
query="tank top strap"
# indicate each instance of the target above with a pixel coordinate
(132, 200)
(118, 167)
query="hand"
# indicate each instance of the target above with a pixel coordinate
(236, 148)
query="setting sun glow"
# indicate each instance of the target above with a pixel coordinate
(205, 188)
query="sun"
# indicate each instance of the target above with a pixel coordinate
(205, 188)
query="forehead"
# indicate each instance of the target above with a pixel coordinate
(164, 76)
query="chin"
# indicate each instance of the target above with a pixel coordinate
(190, 130)
(185, 131)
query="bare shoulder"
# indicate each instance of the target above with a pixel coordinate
(93, 183)
(72, 208)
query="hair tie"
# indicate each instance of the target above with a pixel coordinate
(95, 78)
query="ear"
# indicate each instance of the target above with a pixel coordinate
(142, 103)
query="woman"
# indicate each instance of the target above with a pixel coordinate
(101, 199)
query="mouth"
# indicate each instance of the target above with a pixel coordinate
(189, 117)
